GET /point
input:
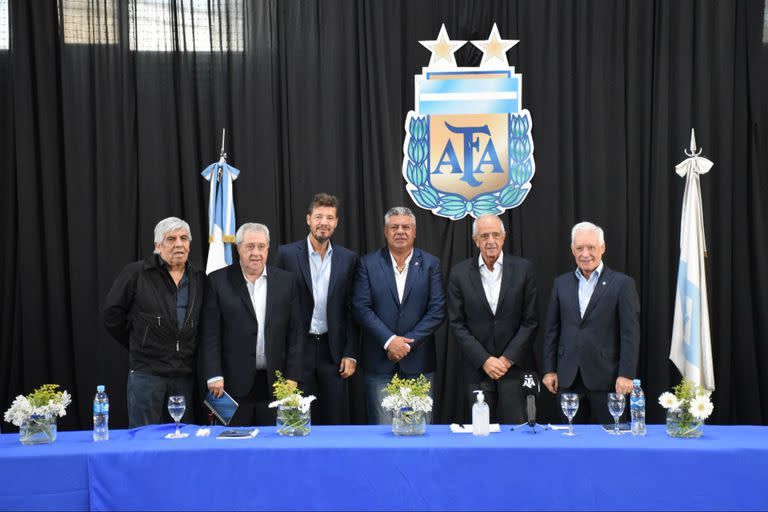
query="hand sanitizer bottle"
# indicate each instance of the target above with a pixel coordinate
(480, 415)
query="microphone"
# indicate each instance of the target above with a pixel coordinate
(531, 388)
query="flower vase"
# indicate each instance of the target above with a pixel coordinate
(291, 421)
(38, 429)
(407, 422)
(683, 424)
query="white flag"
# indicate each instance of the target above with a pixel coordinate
(691, 348)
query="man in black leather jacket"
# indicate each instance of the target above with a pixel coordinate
(153, 309)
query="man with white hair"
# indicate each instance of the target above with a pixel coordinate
(251, 328)
(592, 330)
(492, 314)
(153, 310)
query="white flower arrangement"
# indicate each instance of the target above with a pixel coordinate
(293, 408)
(44, 401)
(302, 403)
(407, 400)
(408, 394)
(692, 402)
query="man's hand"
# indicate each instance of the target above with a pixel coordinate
(347, 367)
(398, 348)
(292, 383)
(550, 381)
(216, 387)
(506, 362)
(624, 385)
(494, 368)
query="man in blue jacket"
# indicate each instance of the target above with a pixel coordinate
(592, 333)
(399, 302)
(324, 273)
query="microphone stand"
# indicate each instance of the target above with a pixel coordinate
(533, 426)
(530, 408)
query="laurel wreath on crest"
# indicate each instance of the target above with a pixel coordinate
(521, 170)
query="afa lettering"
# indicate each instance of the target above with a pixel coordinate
(489, 157)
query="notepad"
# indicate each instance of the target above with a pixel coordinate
(223, 407)
(623, 427)
(239, 433)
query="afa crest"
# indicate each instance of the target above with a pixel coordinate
(468, 148)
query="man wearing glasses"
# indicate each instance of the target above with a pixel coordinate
(399, 302)
(492, 315)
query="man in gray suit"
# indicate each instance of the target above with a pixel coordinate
(592, 330)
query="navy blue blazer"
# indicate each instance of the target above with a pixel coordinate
(342, 330)
(605, 343)
(381, 315)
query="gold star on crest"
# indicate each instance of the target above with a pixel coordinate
(495, 48)
(442, 49)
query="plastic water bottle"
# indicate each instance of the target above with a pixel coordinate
(637, 409)
(100, 415)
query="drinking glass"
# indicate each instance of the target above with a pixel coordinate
(176, 408)
(569, 402)
(616, 403)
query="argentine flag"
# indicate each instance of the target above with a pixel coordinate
(691, 348)
(221, 214)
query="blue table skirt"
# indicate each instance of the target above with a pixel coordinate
(366, 467)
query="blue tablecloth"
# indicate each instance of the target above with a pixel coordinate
(366, 467)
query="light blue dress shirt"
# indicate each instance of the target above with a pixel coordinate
(320, 269)
(587, 286)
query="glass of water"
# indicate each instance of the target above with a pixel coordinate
(616, 402)
(569, 402)
(176, 408)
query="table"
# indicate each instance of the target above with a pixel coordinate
(366, 467)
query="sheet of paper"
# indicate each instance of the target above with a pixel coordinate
(467, 428)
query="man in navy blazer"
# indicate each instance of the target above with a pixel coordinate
(324, 274)
(592, 330)
(250, 328)
(492, 314)
(399, 302)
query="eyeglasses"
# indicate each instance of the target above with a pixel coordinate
(487, 236)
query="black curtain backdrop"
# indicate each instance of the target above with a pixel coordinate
(110, 110)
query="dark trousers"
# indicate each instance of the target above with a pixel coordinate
(321, 379)
(504, 396)
(593, 405)
(148, 398)
(253, 408)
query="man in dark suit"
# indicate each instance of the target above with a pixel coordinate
(250, 328)
(324, 275)
(398, 300)
(592, 331)
(492, 315)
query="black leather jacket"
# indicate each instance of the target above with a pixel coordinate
(140, 313)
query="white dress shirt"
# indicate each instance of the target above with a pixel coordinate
(491, 278)
(400, 278)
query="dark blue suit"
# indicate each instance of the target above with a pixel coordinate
(599, 347)
(320, 374)
(381, 315)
